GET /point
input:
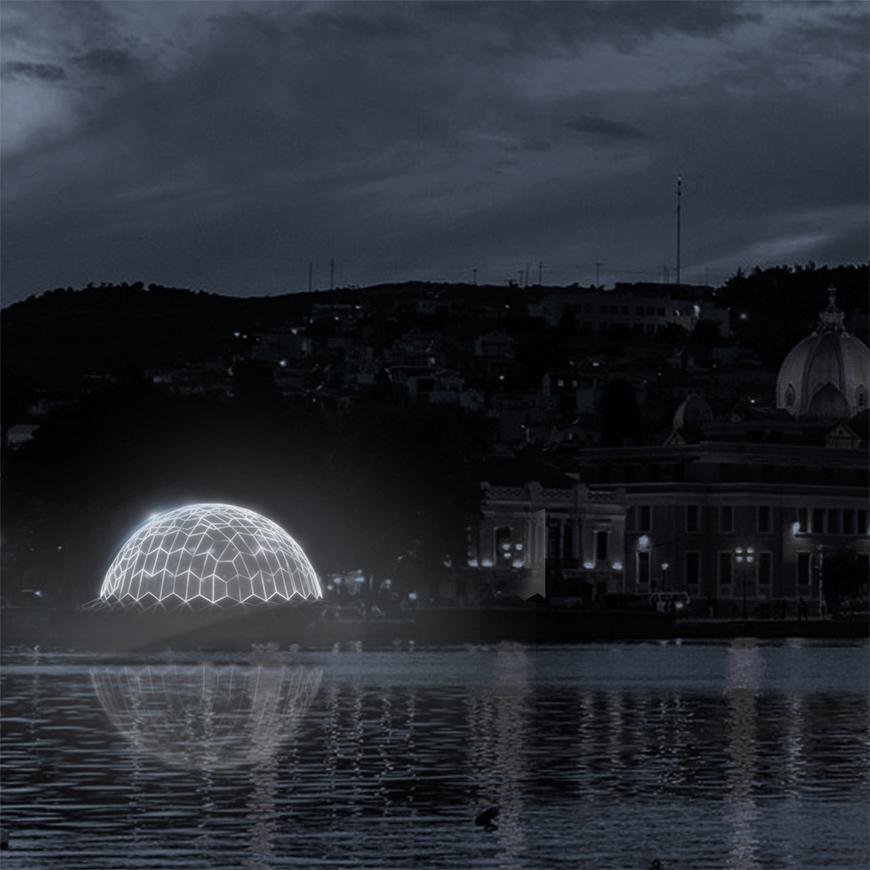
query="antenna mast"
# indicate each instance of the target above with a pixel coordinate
(679, 217)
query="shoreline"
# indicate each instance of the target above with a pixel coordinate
(244, 629)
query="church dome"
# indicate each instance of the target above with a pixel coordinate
(829, 357)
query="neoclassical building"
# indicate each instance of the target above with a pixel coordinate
(787, 486)
(533, 540)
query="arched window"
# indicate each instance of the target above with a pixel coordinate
(861, 397)
(789, 396)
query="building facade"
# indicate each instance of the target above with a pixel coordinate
(739, 527)
(735, 523)
(533, 540)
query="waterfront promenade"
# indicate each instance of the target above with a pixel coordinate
(241, 628)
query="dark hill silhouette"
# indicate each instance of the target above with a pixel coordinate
(62, 335)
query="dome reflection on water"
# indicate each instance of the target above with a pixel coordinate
(207, 717)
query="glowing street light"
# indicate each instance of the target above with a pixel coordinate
(745, 556)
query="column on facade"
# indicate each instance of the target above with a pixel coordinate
(536, 551)
(588, 529)
(576, 542)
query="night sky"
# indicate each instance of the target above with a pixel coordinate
(224, 145)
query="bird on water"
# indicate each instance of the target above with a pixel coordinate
(486, 819)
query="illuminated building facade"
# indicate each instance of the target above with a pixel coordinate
(718, 521)
(549, 541)
(696, 513)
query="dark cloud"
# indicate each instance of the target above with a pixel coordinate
(539, 27)
(224, 145)
(106, 61)
(48, 72)
(605, 129)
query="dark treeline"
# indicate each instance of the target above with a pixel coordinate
(782, 303)
(386, 488)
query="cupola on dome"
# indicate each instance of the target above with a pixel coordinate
(216, 553)
(694, 410)
(829, 359)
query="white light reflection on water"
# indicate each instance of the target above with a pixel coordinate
(606, 756)
(742, 682)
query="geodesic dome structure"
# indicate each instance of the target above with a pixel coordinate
(216, 553)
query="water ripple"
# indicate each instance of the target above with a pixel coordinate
(705, 756)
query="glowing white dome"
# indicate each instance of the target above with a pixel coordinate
(213, 552)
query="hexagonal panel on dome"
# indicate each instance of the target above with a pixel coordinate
(210, 552)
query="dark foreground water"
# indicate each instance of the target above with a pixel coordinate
(704, 756)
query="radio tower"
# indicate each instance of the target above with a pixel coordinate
(679, 216)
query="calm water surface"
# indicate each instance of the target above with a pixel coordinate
(705, 756)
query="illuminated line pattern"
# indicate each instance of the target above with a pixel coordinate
(210, 552)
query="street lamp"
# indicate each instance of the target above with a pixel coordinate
(665, 568)
(745, 557)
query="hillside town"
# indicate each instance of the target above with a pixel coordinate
(638, 442)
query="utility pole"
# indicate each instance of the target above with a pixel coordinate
(540, 273)
(310, 274)
(331, 274)
(679, 218)
(519, 277)
(527, 275)
(474, 277)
